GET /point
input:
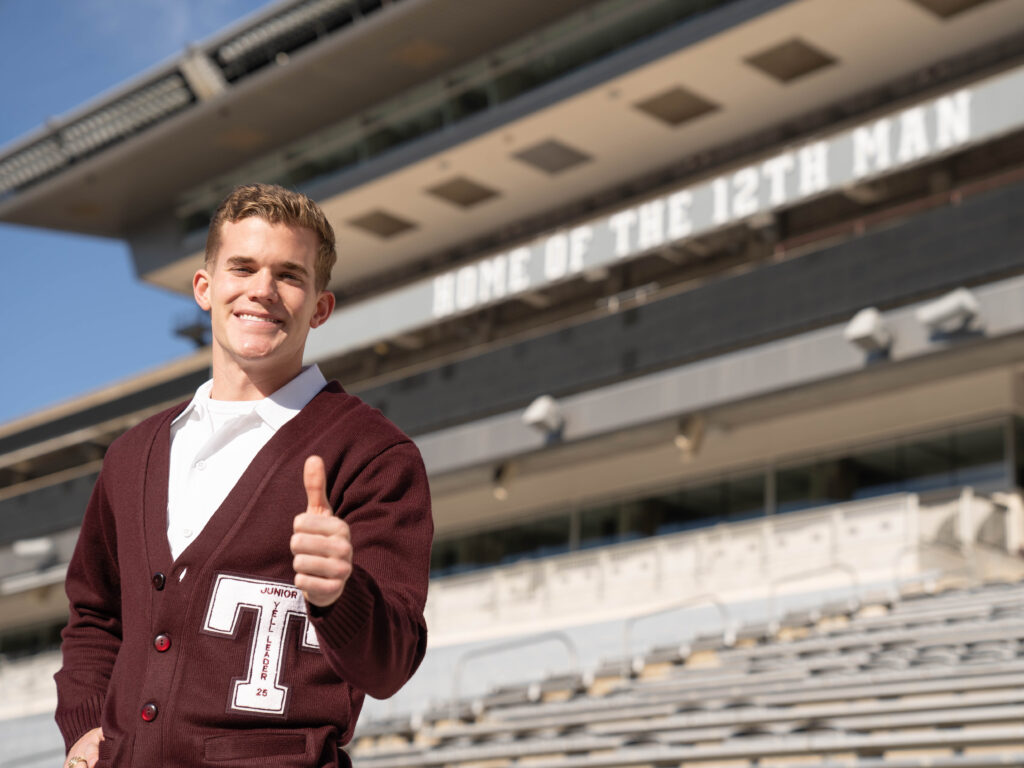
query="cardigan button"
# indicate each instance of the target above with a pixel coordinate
(158, 581)
(149, 712)
(161, 642)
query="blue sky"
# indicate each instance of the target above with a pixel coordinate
(75, 317)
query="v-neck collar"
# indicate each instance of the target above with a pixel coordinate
(236, 505)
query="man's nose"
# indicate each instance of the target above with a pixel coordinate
(263, 286)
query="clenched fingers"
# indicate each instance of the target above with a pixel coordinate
(321, 556)
(324, 567)
(320, 525)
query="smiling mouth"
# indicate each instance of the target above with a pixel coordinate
(257, 318)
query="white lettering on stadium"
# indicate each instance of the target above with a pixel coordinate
(509, 273)
(950, 126)
(889, 142)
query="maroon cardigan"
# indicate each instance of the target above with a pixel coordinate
(213, 657)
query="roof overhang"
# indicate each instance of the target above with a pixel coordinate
(123, 188)
(596, 112)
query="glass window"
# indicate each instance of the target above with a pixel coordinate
(979, 456)
(970, 456)
(928, 464)
(599, 526)
(692, 508)
(876, 471)
(537, 538)
(640, 517)
(814, 485)
(744, 497)
(1018, 425)
(730, 499)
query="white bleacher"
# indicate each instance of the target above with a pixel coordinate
(27, 731)
(921, 682)
(28, 685)
(737, 662)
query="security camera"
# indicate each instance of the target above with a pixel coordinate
(950, 313)
(868, 331)
(545, 414)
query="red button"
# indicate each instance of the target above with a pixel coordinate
(161, 643)
(149, 712)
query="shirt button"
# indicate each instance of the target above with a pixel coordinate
(186, 532)
(161, 642)
(200, 464)
(149, 712)
(158, 581)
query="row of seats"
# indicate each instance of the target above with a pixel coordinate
(925, 680)
(27, 683)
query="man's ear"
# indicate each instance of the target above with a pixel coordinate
(201, 289)
(324, 308)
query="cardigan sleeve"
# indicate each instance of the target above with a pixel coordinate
(374, 636)
(92, 637)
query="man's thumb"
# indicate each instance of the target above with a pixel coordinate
(314, 477)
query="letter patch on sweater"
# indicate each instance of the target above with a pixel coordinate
(275, 604)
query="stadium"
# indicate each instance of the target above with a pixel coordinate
(707, 317)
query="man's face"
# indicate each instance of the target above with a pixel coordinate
(262, 297)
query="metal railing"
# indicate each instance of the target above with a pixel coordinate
(854, 601)
(491, 650)
(728, 625)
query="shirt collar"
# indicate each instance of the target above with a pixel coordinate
(283, 404)
(275, 409)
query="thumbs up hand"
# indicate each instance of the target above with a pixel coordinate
(321, 543)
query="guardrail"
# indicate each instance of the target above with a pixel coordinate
(863, 540)
(728, 625)
(491, 650)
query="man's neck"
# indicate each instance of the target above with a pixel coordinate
(232, 382)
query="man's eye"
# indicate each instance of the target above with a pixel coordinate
(242, 270)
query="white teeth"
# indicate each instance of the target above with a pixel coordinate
(257, 319)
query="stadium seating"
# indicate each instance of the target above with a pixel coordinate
(28, 684)
(918, 680)
(898, 677)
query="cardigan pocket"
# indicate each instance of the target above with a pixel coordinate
(252, 745)
(108, 751)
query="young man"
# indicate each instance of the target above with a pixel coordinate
(253, 562)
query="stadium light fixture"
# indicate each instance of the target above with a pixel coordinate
(545, 415)
(34, 162)
(954, 312)
(869, 331)
(689, 436)
(499, 488)
(125, 116)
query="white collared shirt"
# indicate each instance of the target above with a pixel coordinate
(212, 443)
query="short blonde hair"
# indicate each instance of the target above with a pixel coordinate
(276, 205)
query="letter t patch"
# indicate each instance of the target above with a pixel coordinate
(276, 604)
